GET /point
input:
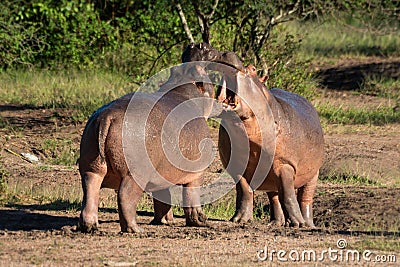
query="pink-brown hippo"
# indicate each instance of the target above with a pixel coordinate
(120, 137)
(298, 151)
(269, 140)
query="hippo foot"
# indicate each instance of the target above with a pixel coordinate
(132, 229)
(87, 227)
(295, 223)
(238, 218)
(243, 215)
(276, 223)
(195, 217)
(310, 224)
(163, 221)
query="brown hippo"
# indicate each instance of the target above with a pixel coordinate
(298, 151)
(273, 142)
(127, 146)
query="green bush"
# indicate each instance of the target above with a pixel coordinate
(71, 30)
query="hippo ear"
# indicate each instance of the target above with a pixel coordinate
(205, 89)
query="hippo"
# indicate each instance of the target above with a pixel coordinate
(119, 138)
(273, 142)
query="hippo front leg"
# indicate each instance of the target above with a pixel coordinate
(244, 202)
(88, 220)
(191, 205)
(277, 216)
(305, 197)
(162, 207)
(287, 196)
(129, 194)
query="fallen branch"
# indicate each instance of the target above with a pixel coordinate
(18, 155)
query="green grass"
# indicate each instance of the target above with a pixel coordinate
(83, 91)
(51, 197)
(329, 39)
(60, 151)
(350, 115)
(382, 87)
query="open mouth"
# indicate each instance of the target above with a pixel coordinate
(229, 65)
(228, 98)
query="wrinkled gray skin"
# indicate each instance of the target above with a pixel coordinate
(290, 121)
(102, 163)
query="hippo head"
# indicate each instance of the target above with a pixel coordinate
(199, 52)
(242, 92)
(239, 85)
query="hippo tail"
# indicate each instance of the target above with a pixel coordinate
(104, 127)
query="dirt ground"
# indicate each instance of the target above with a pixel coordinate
(366, 218)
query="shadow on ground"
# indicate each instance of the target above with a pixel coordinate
(352, 77)
(27, 220)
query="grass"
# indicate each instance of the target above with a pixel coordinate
(392, 245)
(351, 115)
(4, 173)
(330, 39)
(50, 197)
(60, 151)
(83, 91)
(348, 178)
(382, 87)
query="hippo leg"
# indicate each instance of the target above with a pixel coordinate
(129, 194)
(162, 207)
(305, 196)
(88, 220)
(277, 216)
(191, 205)
(287, 196)
(244, 202)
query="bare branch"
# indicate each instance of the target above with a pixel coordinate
(204, 19)
(212, 11)
(184, 22)
(285, 15)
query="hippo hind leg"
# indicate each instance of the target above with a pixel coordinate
(191, 205)
(287, 196)
(162, 207)
(305, 196)
(129, 194)
(91, 184)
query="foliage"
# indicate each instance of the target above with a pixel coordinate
(140, 38)
(20, 41)
(72, 30)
